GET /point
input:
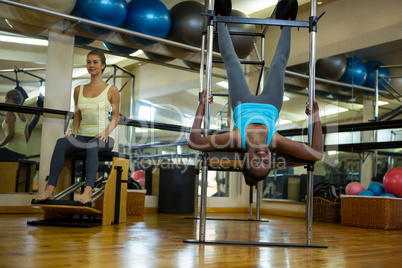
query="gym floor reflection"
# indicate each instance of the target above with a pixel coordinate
(156, 240)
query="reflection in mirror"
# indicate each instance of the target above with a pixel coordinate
(22, 83)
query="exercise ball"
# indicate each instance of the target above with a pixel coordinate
(387, 194)
(119, 50)
(158, 57)
(193, 65)
(366, 193)
(340, 97)
(376, 187)
(331, 68)
(302, 68)
(370, 80)
(65, 7)
(111, 12)
(82, 41)
(186, 23)
(24, 28)
(139, 176)
(149, 17)
(392, 181)
(355, 73)
(242, 44)
(354, 188)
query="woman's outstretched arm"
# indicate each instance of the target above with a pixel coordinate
(300, 150)
(206, 143)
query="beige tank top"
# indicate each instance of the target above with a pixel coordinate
(94, 113)
(18, 144)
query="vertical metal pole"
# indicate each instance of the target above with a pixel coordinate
(376, 95)
(310, 167)
(202, 63)
(258, 201)
(375, 154)
(130, 151)
(210, 39)
(262, 58)
(250, 209)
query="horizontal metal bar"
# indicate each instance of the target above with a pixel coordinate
(346, 128)
(244, 62)
(31, 110)
(331, 81)
(275, 22)
(158, 156)
(389, 66)
(102, 25)
(363, 147)
(248, 243)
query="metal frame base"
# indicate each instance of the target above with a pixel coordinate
(247, 243)
(223, 219)
(69, 222)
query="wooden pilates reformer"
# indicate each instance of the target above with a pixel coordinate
(210, 20)
(110, 200)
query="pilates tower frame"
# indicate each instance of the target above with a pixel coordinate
(312, 26)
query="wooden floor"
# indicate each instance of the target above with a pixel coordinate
(156, 240)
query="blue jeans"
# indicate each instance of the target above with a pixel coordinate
(8, 155)
(70, 144)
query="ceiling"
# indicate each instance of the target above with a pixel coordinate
(34, 60)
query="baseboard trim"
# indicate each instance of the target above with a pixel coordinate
(20, 210)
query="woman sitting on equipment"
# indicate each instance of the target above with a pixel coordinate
(255, 117)
(91, 127)
(14, 145)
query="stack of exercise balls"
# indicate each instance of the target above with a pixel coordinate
(391, 186)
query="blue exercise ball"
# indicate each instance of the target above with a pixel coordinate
(149, 17)
(119, 50)
(355, 73)
(366, 193)
(370, 80)
(376, 188)
(111, 12)
(387, 194)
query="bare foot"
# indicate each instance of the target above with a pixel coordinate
(86, 196)
(47, 195)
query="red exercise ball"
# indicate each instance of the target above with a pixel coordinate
(392, 181)
(139, 176)
(354, 188)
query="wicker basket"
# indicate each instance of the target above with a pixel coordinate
(372, 211)
(135, 202)
(325, 210)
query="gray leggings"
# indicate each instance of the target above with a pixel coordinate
(71, 144)
(238, 88)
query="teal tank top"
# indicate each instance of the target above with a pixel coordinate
(255, 113)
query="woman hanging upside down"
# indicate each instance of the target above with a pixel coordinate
(255, 117)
